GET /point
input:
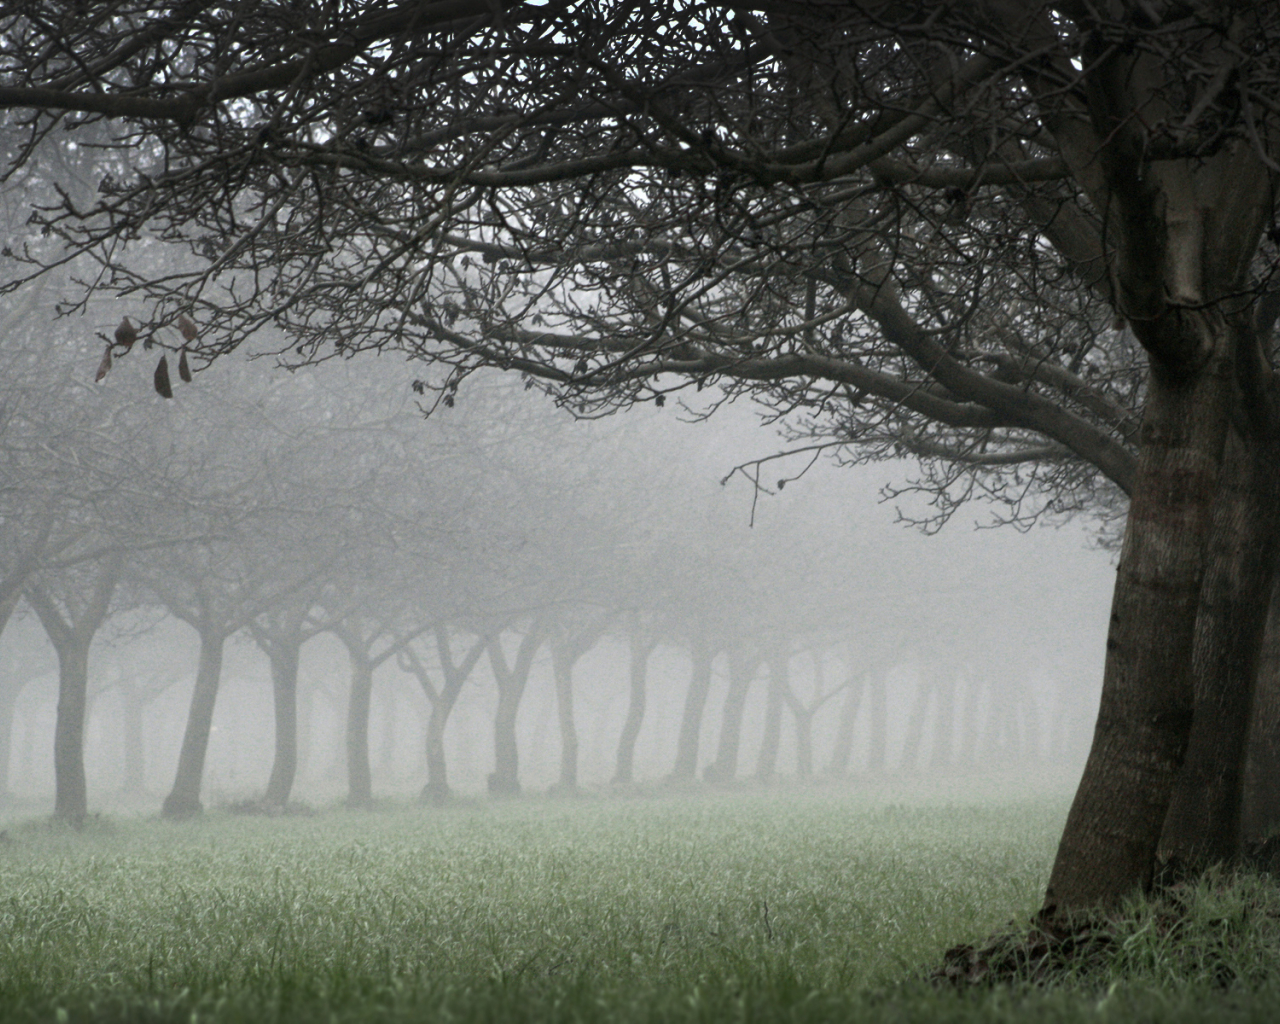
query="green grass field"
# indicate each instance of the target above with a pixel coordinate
(801, 906)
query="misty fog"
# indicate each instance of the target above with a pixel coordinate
(969, 650)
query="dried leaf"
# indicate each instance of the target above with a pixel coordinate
(126, 334)
(187, 327)
(103, 366)
(163, 387)
(184, 371)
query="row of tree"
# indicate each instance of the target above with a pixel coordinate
(282, 507)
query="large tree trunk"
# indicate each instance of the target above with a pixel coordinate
(1203, 823)
(1260, 814)
(695, 702)
(284, 656)
(641, 648)
(1108, 846)
(742, 671)
(183, 800)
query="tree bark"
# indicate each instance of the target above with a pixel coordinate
(742, 671)
(695, 702)
(641, 649)
(183, 800)
(1109, 844)
(1203, 823)
(1260, 814)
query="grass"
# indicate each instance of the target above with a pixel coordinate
(808, 907)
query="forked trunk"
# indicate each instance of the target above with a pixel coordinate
(1108, 846)
(183, 800)
(1203, 823)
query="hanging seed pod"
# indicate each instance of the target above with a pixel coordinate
(163, 387)
(184, 371)
(103, 366)
(187, 327)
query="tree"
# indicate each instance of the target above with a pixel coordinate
(905, 232)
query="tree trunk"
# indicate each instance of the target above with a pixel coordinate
(437, 788)
(505, 779)
(641, 649)
(71, 802)
(563, 657)
(804, 742)
(767, 765)
(742, 671)
(1260, 814)
(442, 701)
(71, 636)
(1109, 844)
(695, 702)
(842, 748)
(283, 656)
(359, 776)
(183, 800)
(915, 724)
(1203, 823)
